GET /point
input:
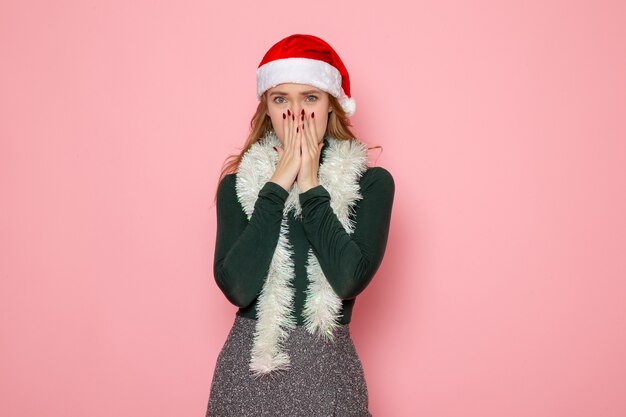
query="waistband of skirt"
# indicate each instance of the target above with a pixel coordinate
(252, 322)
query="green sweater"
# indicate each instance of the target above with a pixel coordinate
(244, 249)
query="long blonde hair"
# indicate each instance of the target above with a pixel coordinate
(338, 127)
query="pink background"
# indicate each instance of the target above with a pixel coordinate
(502, 291)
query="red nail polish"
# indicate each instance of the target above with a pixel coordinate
(302, 112)
(297, 129)
(284, 117)
(302, 117)
(313, 114)
(288, 112)
(293, 117)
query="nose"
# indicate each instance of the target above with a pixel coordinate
(297, 110)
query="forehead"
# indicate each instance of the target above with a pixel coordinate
(294, 88)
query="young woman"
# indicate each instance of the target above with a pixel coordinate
(302, 227)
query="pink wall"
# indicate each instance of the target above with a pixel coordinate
(502, 290)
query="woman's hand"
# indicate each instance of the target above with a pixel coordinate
(289, 157)
(307, 176)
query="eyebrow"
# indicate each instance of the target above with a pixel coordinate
(303, 93)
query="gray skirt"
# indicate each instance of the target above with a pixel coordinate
(325, 378)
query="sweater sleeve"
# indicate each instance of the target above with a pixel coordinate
(349, 262)
(244, 249)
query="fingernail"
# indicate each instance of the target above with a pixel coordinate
(288, 112)
(302, 117)
(293, 117)
(302, 111)
(284, 116)
(313, 114)
(274, 148)
(297, 129)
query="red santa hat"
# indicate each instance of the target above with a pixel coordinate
(305, 59)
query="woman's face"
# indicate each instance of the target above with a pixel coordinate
(295, 97)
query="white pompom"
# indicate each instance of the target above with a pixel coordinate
(348, 105)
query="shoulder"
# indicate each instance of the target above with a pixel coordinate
(226, 189)
(228, 180)
(229, 207)
(377, 179)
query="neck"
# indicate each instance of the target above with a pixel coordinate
(323, 150)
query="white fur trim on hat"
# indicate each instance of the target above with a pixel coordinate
(348, 105)
(314, 72)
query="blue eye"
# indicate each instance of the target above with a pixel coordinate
(315, 98)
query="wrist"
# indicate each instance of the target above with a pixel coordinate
(306, 187)
(280, 184)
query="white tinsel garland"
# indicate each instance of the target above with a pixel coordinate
(344, 163)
